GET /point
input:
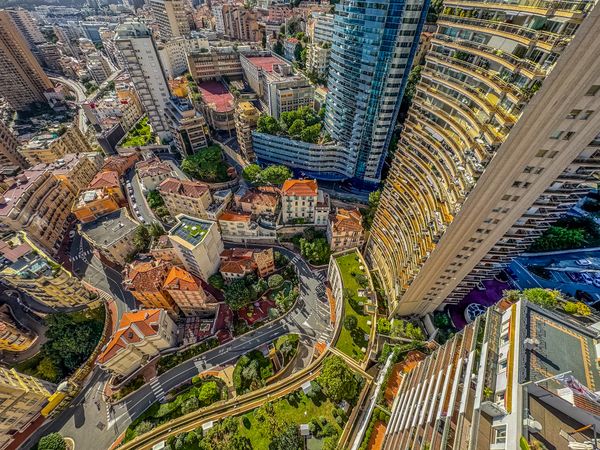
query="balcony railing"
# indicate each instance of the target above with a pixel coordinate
(550, 39)
(574, 6)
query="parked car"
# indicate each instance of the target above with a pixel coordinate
(583, 262)
(587, 278)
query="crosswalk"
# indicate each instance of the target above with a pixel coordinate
(157, 389)
(81, 255)
(295, 260)
(319, 276)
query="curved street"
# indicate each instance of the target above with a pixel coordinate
(91, 421)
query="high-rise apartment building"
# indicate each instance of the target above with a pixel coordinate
(27, 27)
(51, 143)
(134, 40)
(9, 153)
(187, 126)
(518, 375)
(246, 118)
(21, 400)
(444, 223)
(171, 17)
(22, 80)
(372, 51)
(241, 23)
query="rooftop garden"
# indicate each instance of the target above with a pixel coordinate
(303, 125)
(353, 339)
(568, 233)
(139, 135)
(207, 165)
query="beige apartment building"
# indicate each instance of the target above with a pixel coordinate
(171, 17)
(141, 336)
(214, 63)
(185, 197)
(145, 280)
(246, 118)
(13, 337)
(129, 105)
(501, 139)
(241, 23)
(198, 244)
(52, 143)
(345, 230)
(9, 149)
(302, 202)
(112, 235)
(38, 203)
(30, 269)
(186, 291)
(22, 397)
(74, 170)
(22, 80)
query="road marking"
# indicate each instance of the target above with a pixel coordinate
(157, 389)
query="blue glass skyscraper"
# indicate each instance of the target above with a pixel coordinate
(374, 43)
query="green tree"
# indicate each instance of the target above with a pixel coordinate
(311, 133)
(156, 230)
(546, 298)
(47, 370)
(296, 128)
(369, 214)
(288, 439)
(216, 280)
(52, 441)
(278, 47)
(276, 175)
(154, 199)
(141, 238)
(206, 165)
(251, 173)
(316, 251)
(350, 323)
(298, 52)
(190, 405)
(267, 124)
(275, 281)
(337, 380)
(384, 326)
(237, 294)
(558, 238)
(209, 393)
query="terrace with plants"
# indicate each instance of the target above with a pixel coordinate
(139, 135)
(302, 125)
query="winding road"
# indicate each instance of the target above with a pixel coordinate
(94, 425)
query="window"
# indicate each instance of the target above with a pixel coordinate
(586, 115)
(568, 135)
(556, 135)
(541, 153)
(573, 114)
(592, 91)
(500, 434)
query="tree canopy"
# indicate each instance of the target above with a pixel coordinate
(288, 439)
(52, 441)
(338, 381)
(275, 174)
(302, 124)
(206, 165)
(237, 294)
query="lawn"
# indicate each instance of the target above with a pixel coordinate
(301, 410)
(139, 135)
(351, 342)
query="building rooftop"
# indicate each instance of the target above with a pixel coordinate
(216, 95)
(185, 188)
(121, 163)
(345, 220)
(105, 179)
(266, 63)
(301, 188)
(63, 165)
(233, 216)
(134, 327)
(259, 197)
(152, 167)
(110, 228)
(147, 276)
(89, 196)
(181, 280)
(190, 229)
(18, 258)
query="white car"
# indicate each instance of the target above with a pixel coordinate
(583, 262)
(587, 278)
(72, 234)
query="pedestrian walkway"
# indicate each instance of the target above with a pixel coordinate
(81, 255)
(353, 364)
(157, 389)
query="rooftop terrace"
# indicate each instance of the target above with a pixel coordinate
(190, 229)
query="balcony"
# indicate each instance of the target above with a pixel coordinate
(523, 35)
(568, 9)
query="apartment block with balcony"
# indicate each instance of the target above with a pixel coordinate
(198, 244)
(22, 397)
(171, 17)
(185, 197)
(486, 165)
(188, 127)
(345, 230)
(13, 337)
(141, 336)
(145, 281)
(246, 118)
(517, 374)
(38, 203)
(303, 202)
(9, 149)
(74, 170)
(214, 62)
(28, 268)
(188, 294)
(54, 142)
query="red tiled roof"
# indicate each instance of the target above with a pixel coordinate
(216, 95)
(191, 189)
(231, 216)
(347, 220)
(239, 266)
(134, 327)
(120, 163)
(257, 197)
(151, 167)
(147, 276)
(105, 179)
(301, 188)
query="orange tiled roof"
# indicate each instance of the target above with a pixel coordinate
(180, 279)
(347, 220)
(152, 167)
(301, 188)
(134, 327)
(238, 266)
(120, 163)
(105, 179)
(231, 216)
(257, 197)
(191, 189)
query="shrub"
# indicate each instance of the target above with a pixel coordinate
(275, 281)
(578, 308)
(384, 326)
(52, 441)
(350, 323)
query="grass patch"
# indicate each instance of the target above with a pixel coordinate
(296, 408)
(139, 135)
(351, 341)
